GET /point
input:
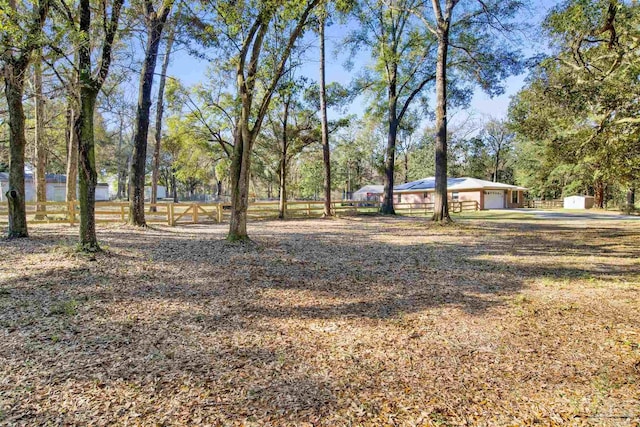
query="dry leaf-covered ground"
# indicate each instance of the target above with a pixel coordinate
(353, 321)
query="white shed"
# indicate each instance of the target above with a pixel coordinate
(102, 192)
(578, 202)
(162, 192)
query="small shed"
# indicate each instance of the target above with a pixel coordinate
(162, 192)
(102, 192)
(578, 202)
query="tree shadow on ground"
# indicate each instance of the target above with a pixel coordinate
(162, 310)
(362, 274)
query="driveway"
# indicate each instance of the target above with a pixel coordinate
(576, 215)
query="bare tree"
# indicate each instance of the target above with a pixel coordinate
(498, 139)
(155, 21)
(155, 172)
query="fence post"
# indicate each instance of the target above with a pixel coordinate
(122, 213)
(308, 209)
(219, 207)
(195, 213)
(170, 214)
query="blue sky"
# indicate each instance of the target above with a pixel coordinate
(191, 70)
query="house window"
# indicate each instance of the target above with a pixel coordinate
(514, 197)
(455, 196)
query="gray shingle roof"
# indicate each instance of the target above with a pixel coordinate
(373, 188)
(453, 184)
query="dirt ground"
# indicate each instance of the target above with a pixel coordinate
(362, 321)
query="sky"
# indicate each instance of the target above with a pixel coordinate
(191, 70)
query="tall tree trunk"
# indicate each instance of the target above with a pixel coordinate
(89, 87)
(15, 61)
(496, 166)
(72, 137)
(631, 199)
(138, 165)
(282, 203)
(406, 166)
(599, 194)
(40, 177)
(83, 127)
(390, 157)
(326, 148)
(122, 184)
(240, 174)
(174, 187)
(441, 208)
(123, 163)
(71, 185)
(159, 112)
(87, 167)
(13, 89)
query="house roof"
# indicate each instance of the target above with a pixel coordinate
(454, 184)
(376, 189)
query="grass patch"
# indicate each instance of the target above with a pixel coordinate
(64, 308)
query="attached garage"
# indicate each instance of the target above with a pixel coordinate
(494, 199)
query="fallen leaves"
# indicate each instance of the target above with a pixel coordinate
(357, 321)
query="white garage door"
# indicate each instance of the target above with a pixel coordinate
(494, 199)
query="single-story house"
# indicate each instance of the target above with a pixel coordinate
(489, 195)
(578, 202)
(56, 188)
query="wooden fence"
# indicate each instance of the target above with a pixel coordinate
(412, 209)
(545, 204)
(195, 213)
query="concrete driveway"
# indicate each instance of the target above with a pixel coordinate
(576, 215)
